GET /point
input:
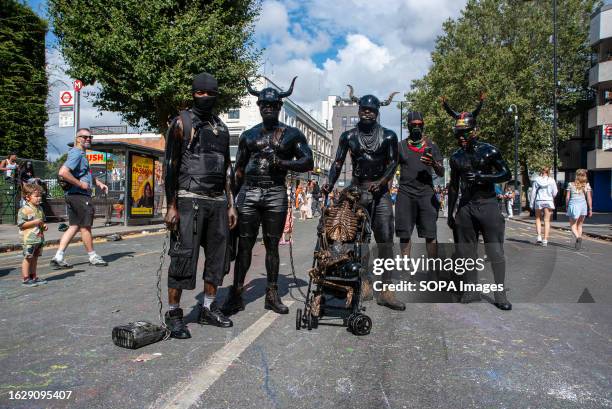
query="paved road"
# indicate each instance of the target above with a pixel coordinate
(549, 352)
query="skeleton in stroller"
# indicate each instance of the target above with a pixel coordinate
(334, 287)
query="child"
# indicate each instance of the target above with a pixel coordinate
(30, 221)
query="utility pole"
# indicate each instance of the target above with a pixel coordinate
(555, 113)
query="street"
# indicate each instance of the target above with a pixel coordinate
(551, 351)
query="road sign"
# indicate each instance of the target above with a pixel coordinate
(66, 109)
(77, 85)
(66, 98)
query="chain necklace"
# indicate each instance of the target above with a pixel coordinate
(370, 141)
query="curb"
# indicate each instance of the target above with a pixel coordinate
(584, 233)
(5, 248)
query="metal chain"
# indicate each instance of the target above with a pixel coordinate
(159, 290)
(295, 280)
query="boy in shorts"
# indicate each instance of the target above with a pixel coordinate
(30, 221)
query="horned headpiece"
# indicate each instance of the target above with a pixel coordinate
(463, 120)
(369, 101)
(270, 94)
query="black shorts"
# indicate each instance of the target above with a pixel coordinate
(421, 211)
(201, 223)
(80, 210)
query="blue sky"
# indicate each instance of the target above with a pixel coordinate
(379, 47)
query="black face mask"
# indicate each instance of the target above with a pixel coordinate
(203, 106)
(416, 134)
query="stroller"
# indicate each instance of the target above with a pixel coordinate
(334, 287)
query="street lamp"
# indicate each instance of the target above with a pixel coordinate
(517, 195)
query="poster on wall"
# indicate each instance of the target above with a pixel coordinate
(141, 186)
(606, 137)
(95, 157)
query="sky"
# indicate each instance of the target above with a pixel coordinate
(377, 46)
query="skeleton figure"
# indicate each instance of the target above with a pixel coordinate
(339, 226)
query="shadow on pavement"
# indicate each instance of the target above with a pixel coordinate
(67, 274)
(6, 271)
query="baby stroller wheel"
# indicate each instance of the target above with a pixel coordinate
(298, 319)
(315, 321)
(309, 321)
(360, 324)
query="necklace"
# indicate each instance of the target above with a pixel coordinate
(370, 141)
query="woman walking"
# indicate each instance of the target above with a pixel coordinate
(544, 190)
(579, 199)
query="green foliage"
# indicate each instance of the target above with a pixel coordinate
(144, 53)
(23, 81)
(502, 47)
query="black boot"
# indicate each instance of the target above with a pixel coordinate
(213, 316)
(501, 301)
(273, 301)
(234, 302)
(176, 325)
(387, 299)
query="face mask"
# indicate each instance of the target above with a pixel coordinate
(416, 134)
(203, 106)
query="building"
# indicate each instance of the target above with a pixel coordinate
(319, 138)
(340, 115)
(599, 158)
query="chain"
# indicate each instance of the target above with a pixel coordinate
(159, 290)
(295, 280)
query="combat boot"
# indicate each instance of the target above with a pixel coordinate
(234, 302)
(501, 301)
(273, 300)
(387, 299)
(176, 325)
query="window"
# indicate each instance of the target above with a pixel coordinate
(344, 123)
(233, 114)
(354, 120)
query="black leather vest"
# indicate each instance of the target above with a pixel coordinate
(203, 165)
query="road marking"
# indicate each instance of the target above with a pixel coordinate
(187, 393)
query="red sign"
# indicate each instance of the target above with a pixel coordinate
(66, 98)
(607, 130)
(77, 85)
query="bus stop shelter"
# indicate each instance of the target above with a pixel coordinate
(133, 174)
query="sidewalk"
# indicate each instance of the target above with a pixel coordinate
(599, 226)
(10, 239)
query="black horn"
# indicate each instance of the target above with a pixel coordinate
(250, 89)
(285, 94)
(476, 111)
(449, 110)
(388, 100)
(352, 96)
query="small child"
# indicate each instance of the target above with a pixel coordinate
(30, 221)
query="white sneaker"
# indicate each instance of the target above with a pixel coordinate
(544, 243)
(539, 239)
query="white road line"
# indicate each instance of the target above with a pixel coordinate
(187, 393)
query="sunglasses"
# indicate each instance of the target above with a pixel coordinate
(85, 136)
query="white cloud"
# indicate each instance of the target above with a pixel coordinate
(384, 46)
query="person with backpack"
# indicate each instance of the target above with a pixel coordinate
(200, 205)
(543, 192)
(579, 201)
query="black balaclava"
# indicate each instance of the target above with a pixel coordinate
(416, 124)
(203, 106)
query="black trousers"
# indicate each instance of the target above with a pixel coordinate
(380, 210)
(481, 217)
(201, 223)
(265, 206)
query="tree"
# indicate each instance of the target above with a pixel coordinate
(502, 47)
(23, 81)
(144, 54)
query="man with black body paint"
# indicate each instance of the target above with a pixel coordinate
(200, 206)
(373, 152)
(265, 154)
(475, 169)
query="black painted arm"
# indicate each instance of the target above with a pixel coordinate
(336, 167)
(501, 171)
(453, 188)
(391, 159)
(172, 161)
(242, 158)
(303, 161)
